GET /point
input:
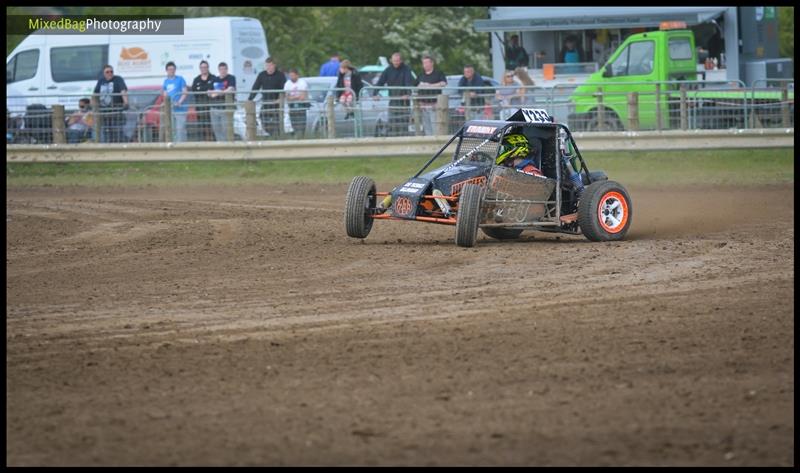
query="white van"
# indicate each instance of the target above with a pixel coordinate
(57, 66)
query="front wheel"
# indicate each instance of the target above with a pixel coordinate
(360, 199)
(605, 211)
(468, 216)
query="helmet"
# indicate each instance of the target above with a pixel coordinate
(515, 145)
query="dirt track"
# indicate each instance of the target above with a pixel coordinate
(241, 326)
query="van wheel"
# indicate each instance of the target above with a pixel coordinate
(610, 122)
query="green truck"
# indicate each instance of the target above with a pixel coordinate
(651, 82)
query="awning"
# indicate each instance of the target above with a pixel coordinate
(572, 18)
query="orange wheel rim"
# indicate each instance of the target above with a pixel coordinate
(612, 212)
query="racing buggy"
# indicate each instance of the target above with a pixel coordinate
(549, 189)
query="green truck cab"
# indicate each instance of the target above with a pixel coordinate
(650, 64)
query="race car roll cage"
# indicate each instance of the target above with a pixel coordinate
(557, 220)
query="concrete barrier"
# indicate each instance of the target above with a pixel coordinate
(396, 146)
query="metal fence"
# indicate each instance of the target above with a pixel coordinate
(327, 112)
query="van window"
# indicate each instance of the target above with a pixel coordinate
(636, 59)
(641, 61)
(78, 62)
(620, 65)
(22, 66)
(680, 48)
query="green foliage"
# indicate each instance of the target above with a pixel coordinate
(786, 31)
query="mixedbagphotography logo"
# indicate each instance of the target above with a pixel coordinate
(94, 24)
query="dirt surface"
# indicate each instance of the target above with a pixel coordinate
(222, 326)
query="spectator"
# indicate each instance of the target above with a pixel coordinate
(521, 74)
(224, 83)
(175, 87)
(509, 94)
(112, 94)
(348, 78)
(476, 100)
(200, 86)
(330, 68)
(397, 74)
(296, 90)
(79, 124)
(431, 83)
(571, 54)
(515, 54)
(272, 80)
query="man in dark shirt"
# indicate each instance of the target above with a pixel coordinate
(200, 87)
(515, 55)
(431, 83)
(273, 80)
(398, 74)
(224, 84)
(112, 94)
(475, 101)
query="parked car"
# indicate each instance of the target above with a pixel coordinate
(144, 117)
(373, 113)
(457, 106)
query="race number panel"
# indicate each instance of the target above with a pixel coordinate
(531, 115)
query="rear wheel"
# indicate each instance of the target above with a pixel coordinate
(468, 216)
(360, 198)
(605, 211)
(502, 233)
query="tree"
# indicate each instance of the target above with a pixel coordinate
(786, 31)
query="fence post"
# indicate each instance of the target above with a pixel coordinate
(684, 109)
(442, 125)
(601, 112)
(98, 118)
(417, 115)
(166, 119)
(785, 105)
(250, 119)
(331, 116)
(633, 111)
(659, 118)
(58, 124)
(281, 112)
(230, 108)
(467, 104)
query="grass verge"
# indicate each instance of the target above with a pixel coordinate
(716, 167)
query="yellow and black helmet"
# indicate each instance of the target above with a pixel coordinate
(515, 145)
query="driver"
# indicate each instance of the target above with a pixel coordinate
(518, 152)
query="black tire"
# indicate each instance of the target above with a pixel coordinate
(381, 131)
(610, 223)
(502, 233)
(360, 198)
(610, 122)
(468, 216)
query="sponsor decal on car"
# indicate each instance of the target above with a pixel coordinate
(412, 187)
(456, 188)
(481, 130)
(403, 206)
